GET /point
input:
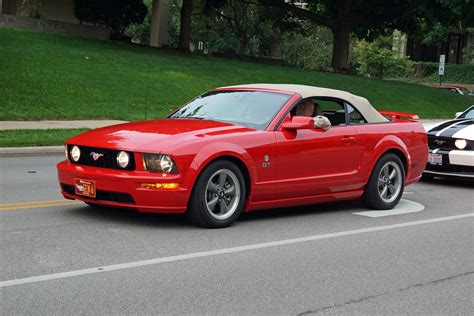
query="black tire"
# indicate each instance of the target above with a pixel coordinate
(203, 210)
(382, 192)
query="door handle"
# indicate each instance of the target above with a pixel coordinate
(348, 139)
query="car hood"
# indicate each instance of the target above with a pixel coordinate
(457, 128)
(156, 135)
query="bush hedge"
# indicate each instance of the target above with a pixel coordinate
(453, 73)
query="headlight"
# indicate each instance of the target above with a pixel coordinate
(460, 143)
(75, 153)
(159, 163)
(123, 158)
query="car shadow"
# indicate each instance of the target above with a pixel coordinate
(456, 182)
(130, 217)
(302, 211)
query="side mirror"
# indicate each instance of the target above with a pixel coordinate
(457, 114)
(299, 122)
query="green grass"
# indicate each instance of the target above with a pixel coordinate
(36, 137)
(48, 76)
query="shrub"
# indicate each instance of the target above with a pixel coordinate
(377, 59)
(311, 50)
(452, 73)
(115, 14)
(140, 32)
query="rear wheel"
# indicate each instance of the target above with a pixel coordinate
(218, 195)
(387, 181)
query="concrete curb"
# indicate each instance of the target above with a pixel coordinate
(31, 151)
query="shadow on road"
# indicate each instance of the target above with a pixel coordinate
(129, 217)
(449, 182)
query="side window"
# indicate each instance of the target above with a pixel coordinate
(354, 116)
(333, 109)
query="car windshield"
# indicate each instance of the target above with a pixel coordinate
(468, 114)
(253, 109)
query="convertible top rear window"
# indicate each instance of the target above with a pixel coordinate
(253, 109)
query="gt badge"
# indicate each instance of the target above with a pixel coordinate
(266, 161)
(95, 155)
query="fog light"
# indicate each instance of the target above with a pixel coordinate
(166, 186)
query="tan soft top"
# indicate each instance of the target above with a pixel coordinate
(360, 103)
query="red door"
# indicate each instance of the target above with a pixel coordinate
(314, 162)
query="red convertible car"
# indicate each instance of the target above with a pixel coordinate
(244, 148)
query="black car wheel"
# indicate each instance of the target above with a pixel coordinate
(218, 196)
(386, 183)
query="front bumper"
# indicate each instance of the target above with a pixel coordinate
(121, 188)
(455, 163)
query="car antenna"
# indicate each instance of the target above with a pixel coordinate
(147, 84)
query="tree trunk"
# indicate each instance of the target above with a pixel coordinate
(341, 31)
(340, 49)
(185, 25)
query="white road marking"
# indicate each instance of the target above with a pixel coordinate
(156, 261)
(408, 193)
(403, 207)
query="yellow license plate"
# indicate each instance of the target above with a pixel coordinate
(85, 187)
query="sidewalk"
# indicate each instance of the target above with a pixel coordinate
(9, 125)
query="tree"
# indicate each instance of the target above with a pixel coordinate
(369, 18)
(185, 25)
(242, 19)
(115, 14)
(343, 17)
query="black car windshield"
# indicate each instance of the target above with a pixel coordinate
(253, 109)
(468, 114)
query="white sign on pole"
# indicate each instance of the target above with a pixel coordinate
(442, 59)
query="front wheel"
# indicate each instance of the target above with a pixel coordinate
(387, 181)
(218, 196)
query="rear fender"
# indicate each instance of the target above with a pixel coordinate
(390, 142)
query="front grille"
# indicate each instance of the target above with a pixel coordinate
(101, 195)
(441, 142)
(446, 143)
(107, 160)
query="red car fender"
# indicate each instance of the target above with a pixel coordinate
(388, 143)
(212, 152)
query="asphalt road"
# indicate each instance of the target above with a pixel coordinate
(59, 257)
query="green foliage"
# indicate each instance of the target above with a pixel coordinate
(50, 76)
(115, 14)
(140, 32)
(452, 73)
(31, 8)
(377, 59)
(309, 48)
